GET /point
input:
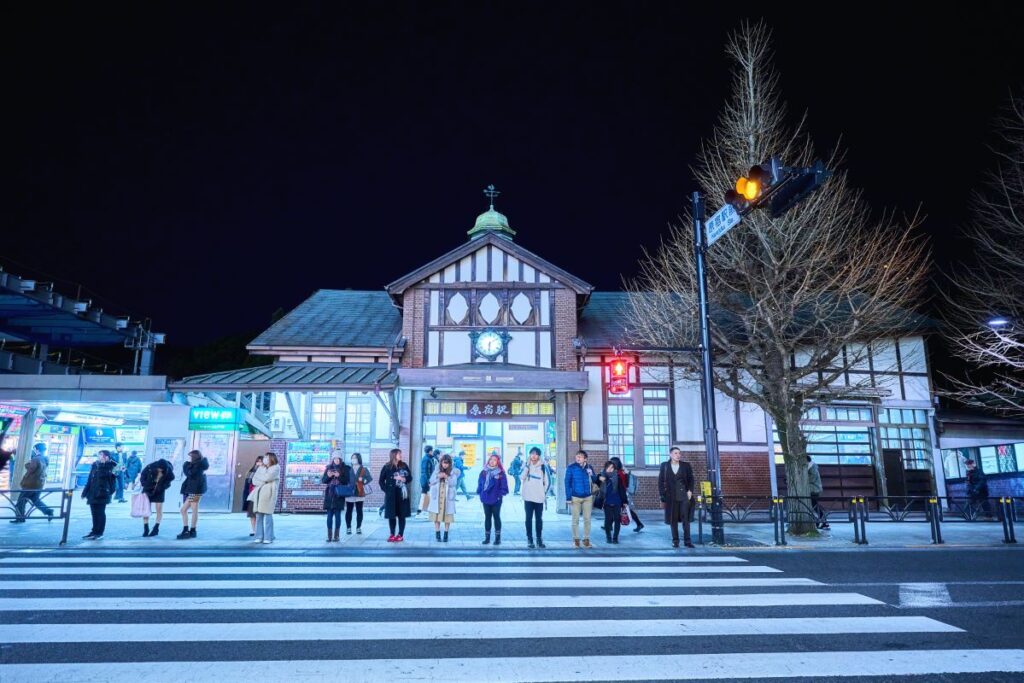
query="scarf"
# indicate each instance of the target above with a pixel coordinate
(492, 476)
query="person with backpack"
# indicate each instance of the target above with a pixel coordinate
(428, 463)
(132, 469)
(443, 492)
(98, 492)
(363, 479)
(613, 496)
(192, 490)
(632, 483)
(336, 478)
(32, 483)
(535, 487)
(515, 470)
(491, 488)
(156, 478)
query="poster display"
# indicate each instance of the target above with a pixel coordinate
(305, 465)
(469, 450)
(171, 449)
(216, 447)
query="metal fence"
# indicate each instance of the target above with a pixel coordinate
(862, 511)
(20, 504)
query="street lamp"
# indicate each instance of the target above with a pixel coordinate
(777, 188)
(999, 323)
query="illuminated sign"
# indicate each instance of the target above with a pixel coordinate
(207, 419)
(65, 417)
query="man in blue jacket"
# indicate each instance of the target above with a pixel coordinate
(579, 496)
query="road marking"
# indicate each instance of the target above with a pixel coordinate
(269, 585)
(448, 630)
(392, 602)
(250, 570)
(723, 666)
(924, 595)
(258, 556)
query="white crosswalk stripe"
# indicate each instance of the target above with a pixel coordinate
(111, 617)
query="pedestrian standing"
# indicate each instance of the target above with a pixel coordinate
(632, 482)
(977, 488)
(120, 459)
(395, 478)
(337, 477)
(156, 478)
(535, 487)
(192, 489)
(459, 462)
(264, 498)
(579, 496)
(613, 488)
(815, 489)
(515, 470)
(428, 463)
(99, 489)
(363, 478)
(32, 482)
(247, 488)
(132, 469)
(492, 487)
(675, 486)
(443, 491)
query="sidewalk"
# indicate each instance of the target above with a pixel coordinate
(308, 531)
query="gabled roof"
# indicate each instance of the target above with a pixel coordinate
(396, 288)
(336, 318)
(293, 377)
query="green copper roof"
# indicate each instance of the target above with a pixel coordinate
(491, 221)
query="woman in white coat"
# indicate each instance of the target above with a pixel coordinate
(444, 487)
(264, 498)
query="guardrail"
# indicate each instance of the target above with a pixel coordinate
(9, 499)
(859, 511)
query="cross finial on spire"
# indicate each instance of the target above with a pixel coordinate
(491, 194)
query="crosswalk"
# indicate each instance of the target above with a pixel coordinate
(453, 616)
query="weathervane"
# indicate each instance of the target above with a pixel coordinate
(491, 194)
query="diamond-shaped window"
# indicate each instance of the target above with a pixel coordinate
(458, 308)
(489, 308)
(521, 308)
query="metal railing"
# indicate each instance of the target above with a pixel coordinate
(859, 511)
(9, 499)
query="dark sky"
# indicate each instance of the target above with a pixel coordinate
(205, 166)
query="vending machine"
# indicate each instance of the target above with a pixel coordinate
(63, 448)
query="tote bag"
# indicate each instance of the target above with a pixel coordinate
(140, 505)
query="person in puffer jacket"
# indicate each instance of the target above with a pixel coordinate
(579, 480)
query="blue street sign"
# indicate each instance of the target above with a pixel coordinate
(724, 220)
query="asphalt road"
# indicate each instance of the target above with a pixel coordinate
(487, 615)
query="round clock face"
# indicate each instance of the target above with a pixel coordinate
(489, 344)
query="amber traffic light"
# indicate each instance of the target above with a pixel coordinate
(751, 187)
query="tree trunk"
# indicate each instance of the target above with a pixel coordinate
(794, 454)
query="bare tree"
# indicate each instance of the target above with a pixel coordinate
(796, 301)
(985, 305)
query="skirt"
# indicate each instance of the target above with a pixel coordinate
(447, 519)
(193, 497)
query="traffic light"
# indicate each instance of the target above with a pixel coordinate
(751, 187)
(618, 376)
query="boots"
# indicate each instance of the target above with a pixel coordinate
(497, 538)
(337, 535)
(615, 537)
(192, 532)
(184, 533)
(529, 542)
(437, 535)
(540, 542)
(608, 535)
(636, 518)
(155, 531)
(330, 535)
(487, 538)
(145, 529)
(445, 539)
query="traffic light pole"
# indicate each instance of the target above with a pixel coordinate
(700, 245)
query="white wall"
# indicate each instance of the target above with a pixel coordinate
(592, 407)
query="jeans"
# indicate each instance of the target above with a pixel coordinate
(819, 512)
(518, 484)
(119, 480)
(612, 521)
(401, 525)
(264, 527)
(359, 514)
(334, 519)
(584, 506)
(99, 518)
(534, 512)
(462, 487)
(30, 497)
(492, 513)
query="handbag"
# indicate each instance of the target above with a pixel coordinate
(140, 505)
(624, 515)
(344, 490)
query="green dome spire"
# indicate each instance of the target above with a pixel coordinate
(491, 220)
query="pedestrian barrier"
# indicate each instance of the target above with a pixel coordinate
(10, 499)
(935, 511)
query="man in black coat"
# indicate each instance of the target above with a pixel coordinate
(675, 486)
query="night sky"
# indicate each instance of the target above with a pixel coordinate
(206, 166)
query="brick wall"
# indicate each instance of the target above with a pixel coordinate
(412, 327)
(743, 474)
(565, 329)
(286, 502)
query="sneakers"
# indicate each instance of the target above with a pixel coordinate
(688, 544)
(17, 521)
(348, 531)
(529, 543)
(638, 529)
(540, 543)
(359, 530)
(399, 538)
(391, 538)
(586, 543)
(576, 542)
